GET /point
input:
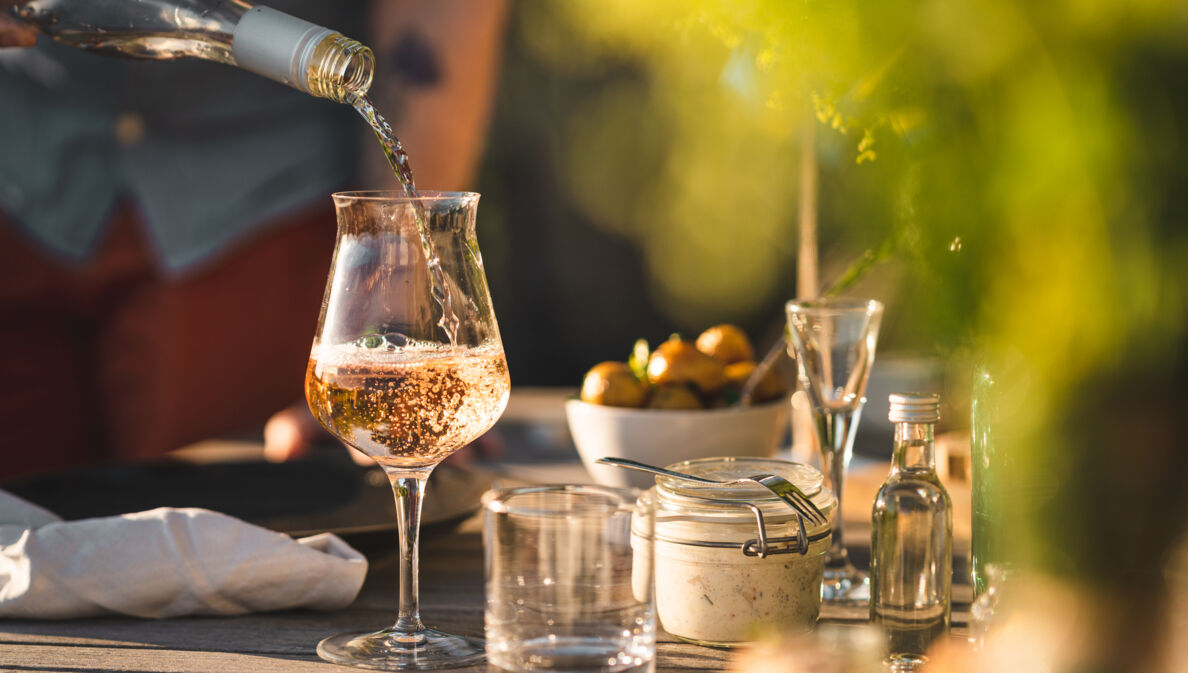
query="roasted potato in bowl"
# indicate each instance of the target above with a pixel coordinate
(612, 384)
(677, 402)
(709, 372)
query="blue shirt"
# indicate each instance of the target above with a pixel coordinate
(208, 152)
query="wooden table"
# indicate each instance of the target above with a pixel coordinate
(451, 596)
(451, 599)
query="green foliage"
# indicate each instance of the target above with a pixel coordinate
(638, 361)
(1019, 164)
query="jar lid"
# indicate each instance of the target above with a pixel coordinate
(727, 513)
(810, 482)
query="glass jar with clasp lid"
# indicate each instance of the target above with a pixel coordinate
(734, 560)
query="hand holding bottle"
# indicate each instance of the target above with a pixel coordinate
(12, 33)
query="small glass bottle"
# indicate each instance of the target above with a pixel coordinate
(912, 539)
(292, 51)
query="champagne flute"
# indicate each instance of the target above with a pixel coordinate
(833, 341)
(407, 367)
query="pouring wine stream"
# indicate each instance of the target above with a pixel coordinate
(398, 158)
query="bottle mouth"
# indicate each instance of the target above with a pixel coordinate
(340, 69)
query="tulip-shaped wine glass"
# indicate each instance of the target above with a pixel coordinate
(833, 341)
(406, 367)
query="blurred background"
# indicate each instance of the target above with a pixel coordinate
(1012, 173)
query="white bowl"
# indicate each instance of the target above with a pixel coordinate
(666, 436)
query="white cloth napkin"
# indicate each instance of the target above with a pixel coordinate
(164, 563)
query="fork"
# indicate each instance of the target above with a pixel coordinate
(782, 488)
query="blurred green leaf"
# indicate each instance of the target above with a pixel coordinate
(638, 362)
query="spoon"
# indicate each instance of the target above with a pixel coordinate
(782, 488)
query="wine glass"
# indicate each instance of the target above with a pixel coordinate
(407, 367)
(833, 341)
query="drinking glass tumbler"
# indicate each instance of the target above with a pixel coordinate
(567, 587)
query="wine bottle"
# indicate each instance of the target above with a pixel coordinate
(262, 40)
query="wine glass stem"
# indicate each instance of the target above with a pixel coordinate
(409, 488)
(835, 429)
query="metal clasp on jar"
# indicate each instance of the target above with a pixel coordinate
(763, 546)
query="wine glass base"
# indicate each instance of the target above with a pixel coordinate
(389, 650)
(846, 586)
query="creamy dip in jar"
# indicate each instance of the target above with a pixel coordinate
(732, 561)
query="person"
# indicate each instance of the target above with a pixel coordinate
(166, 229)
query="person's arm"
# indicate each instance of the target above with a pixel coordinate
(12, 33)
(436, 66)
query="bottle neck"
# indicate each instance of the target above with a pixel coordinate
(914, 450)
(339, 69)
(303, 55)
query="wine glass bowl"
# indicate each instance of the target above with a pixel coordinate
(834, 345)
(407, 408)
(407, 367)
(833, 341)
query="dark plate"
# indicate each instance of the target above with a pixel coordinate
(324, 493)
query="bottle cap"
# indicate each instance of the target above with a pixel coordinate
(276, 45)
(914, 408)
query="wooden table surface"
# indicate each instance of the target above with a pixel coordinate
(451, 599)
